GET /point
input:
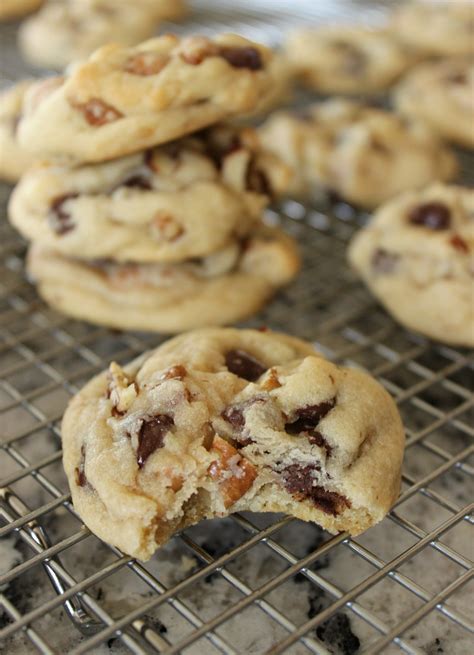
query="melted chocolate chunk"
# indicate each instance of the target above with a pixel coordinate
(433, 215)
(137, 182)
(242, 57)
(244, 365)
(151, 436)
(300, 482)
(306, 421)
(384, 261)
(457, 78)
(354, 60)
(234, 416)
(60, 220)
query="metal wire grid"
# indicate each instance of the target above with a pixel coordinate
(421, 554)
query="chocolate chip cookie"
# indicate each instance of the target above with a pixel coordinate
(417, 257)
(221, 420)
(10, 9)
(365, 154)
(436, 28)
(185, 199)
(123, 100)
(70, 30)
(441, 93)
(347, 60)
(14, 160)
(223, 287)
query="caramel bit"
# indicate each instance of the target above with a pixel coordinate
(177, 372)
(97, 112)
(146, 63)
(272, 381)
(458, 242)
(233, 473)
(165, 227)
(152, 436)
(120, 390)
(300, 481)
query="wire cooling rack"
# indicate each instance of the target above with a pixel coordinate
(249, 583)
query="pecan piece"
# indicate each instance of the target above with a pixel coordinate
(146, 63)
(97, 112)
(233, 473)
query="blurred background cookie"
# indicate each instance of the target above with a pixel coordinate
(364, 154)
(347, 60)
(445, 27)
(441, 94)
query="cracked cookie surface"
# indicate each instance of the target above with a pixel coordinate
(123, 100)
(224, 420)
(184, 199)
(363, 153)
(417, 257)
(224, 287)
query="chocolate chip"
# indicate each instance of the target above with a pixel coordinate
(234, 416)
(456, 77)
(384, 261)
(79, 474)
(458, 242)
(256, 180)
(151, 436)
(97, 112)
(301, 483)
(242, 57)
(306, 420)
(59, 219)
(137, 182)
(433, 215)
(244, 365)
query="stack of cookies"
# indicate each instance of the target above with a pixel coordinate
(146, 211)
